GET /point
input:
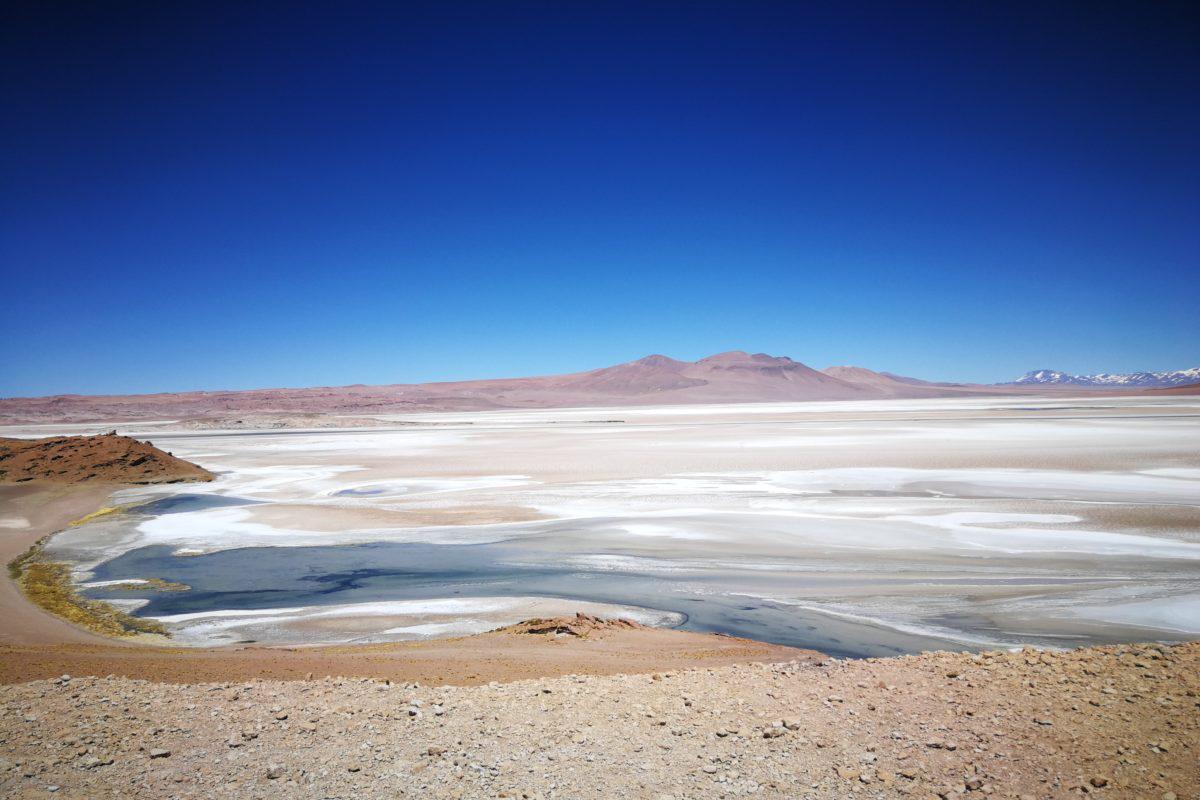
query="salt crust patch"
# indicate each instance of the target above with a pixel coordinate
(1171, 614)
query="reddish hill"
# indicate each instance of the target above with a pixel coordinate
(107, 459)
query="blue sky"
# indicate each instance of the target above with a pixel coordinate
(246, 195)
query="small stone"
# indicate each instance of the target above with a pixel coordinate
(159, 752)
(274, 771)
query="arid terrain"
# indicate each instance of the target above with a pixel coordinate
(1116, 722)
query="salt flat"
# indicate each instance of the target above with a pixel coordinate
(864, 527)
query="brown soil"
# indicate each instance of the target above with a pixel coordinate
(100, 459)
(504, 655)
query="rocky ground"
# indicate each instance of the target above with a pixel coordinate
(1112, 721)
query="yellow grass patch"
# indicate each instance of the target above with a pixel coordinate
(48, 584)
(153, 584)
(101, 512)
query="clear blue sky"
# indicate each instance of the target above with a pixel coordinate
(236, 195)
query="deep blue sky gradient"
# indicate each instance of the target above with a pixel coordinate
(247, 195)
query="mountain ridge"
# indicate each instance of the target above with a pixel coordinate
(734, 376)
(1149, 380)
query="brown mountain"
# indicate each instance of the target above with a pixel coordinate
(730, 377)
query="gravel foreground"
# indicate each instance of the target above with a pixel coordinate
(1120, 721)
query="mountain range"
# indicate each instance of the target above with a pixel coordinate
(729, 377)
(1146, 380)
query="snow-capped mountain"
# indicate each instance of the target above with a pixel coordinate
(1179, 377)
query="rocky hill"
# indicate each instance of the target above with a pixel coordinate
(103, 459)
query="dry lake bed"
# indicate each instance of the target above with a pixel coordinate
(855, 528)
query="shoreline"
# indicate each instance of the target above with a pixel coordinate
(45, 508)
(35, 644)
